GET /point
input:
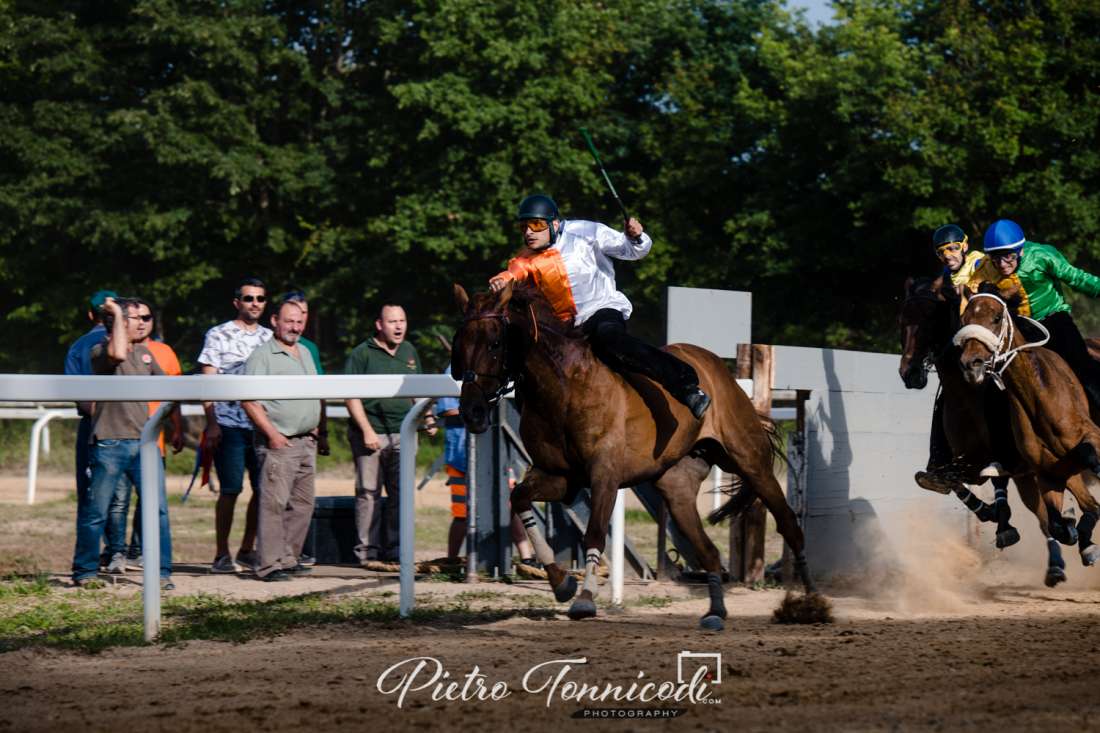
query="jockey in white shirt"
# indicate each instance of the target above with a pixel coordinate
(570, 263)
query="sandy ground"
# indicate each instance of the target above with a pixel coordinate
(957, 637)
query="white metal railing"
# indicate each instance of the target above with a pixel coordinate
(40, 431)
(67, 388)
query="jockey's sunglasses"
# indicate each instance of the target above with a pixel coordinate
(250, 298)
(144, 318)
(1004, 256)
(535, 225)
(949, 248)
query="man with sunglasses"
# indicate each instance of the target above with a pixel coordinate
(1038, 272)
(116, 441)
(953, 250)
(229, 432)
(570, 262)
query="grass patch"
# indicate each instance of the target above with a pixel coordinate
(652, 601)
(36, 615)
(639, 516)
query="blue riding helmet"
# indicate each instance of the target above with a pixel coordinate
(1003, 235)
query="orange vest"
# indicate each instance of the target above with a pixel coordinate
(546, 271)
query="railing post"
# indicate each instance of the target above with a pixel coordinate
(407, 528)
(618, 547)
(471, 508)
(152, 469)
(36, 442)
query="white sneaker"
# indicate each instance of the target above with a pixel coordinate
(224, 564)
(117, 565)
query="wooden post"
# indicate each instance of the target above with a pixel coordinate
(747, 532)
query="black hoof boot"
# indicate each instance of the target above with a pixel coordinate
(711, 623)
(1063, 531)
(583, 607)
(566, 590)
(1055, 575)
(1056, 566)
(1007, 537)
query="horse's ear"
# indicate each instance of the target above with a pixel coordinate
(506, 293)
(964, 298)
(988, 288)
(937, 285)
(461, 297)
(1012, 297)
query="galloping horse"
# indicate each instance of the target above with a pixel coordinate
(585, 425)
(929, 319)
(1049, 412)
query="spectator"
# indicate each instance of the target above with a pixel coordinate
(79, 362)
(286, 444)
(454, 463)
(374, 433)
(299, 296)
(229, 434)
(116, 435)
(169, 363)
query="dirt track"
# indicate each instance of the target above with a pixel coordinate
(1013, 661)
(960, 638)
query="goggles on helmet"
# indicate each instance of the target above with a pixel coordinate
(535, 225)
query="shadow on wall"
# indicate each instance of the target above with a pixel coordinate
(843, 535)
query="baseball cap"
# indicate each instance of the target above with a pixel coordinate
(100, 297)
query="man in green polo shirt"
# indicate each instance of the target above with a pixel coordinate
(374, 433)
(286, 446)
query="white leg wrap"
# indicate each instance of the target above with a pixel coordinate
(591, 571)
(542, 550)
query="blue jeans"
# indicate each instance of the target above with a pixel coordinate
(116, 465)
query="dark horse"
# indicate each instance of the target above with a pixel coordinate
(585, 425)
(928, 320)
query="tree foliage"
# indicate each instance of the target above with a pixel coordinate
(376, 151)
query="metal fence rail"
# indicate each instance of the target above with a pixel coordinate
(66, 388)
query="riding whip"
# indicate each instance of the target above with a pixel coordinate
(607, 178)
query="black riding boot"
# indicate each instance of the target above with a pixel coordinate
(606, 331)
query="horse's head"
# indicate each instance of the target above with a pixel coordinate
(479, 355)
(986, 331)
(923, 322)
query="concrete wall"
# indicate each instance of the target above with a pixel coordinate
(866, 435)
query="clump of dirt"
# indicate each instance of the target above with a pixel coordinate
(811, 608)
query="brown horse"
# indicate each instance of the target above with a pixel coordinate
(1049, 412)
(585, 425)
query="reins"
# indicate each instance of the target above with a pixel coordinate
(999, 361)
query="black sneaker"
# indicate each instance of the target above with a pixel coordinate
(298, 569)
(274, 576)
(531, 563)
(307, 560)
(697, 402)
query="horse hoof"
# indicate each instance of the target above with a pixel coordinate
(566, 590)
(582, 608)
(1054, 577)
(1007, 538)
(1066, 534)
(711, 623)
(1090, 555)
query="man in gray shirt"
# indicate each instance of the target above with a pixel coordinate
(286, 446)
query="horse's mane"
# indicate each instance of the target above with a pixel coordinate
(528, 300)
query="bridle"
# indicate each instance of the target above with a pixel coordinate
(505, 380)
(998, 343)
(928, 363)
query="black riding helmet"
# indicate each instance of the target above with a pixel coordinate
(539, 206)
(948, 234)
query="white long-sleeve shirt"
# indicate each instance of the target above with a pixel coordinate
(576, 274)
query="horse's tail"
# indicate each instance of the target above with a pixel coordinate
(741, 496)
